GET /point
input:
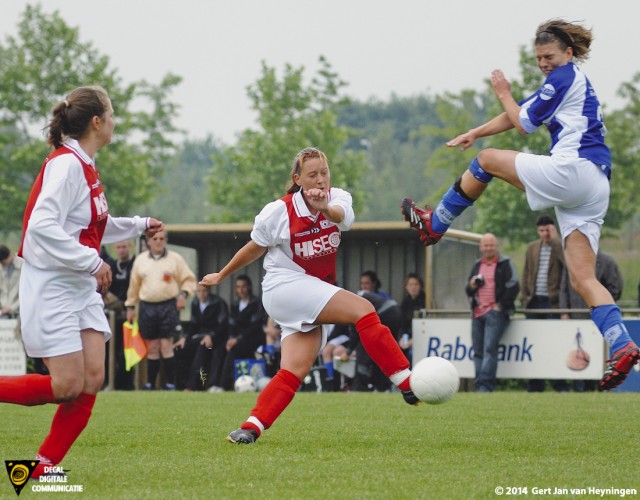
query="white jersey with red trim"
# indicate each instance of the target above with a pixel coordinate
(61, 212)
(299, 241)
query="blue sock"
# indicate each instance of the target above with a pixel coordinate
(451, 205)
(609, 321)
(329, 366)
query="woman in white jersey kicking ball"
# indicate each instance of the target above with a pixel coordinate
(574, 178)
(300, 234)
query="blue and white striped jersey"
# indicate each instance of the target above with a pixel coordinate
(567, 104)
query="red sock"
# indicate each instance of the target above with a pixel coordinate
(383, 349)
(272, 401)
(68, 422)
(26, 390)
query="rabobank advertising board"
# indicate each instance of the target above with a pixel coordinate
(529, 348)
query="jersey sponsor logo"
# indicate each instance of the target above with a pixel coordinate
(95, 184)
(303, 233)
(324, 245)
(102, 207)
(547, 92)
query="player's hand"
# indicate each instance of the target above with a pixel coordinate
(499, 83)
(212, 279)
(317, 198)
(103, 277)
(463, 141)
(179, 344)
(155, 226)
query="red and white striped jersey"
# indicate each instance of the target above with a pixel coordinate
(299, 241)
(67, 216)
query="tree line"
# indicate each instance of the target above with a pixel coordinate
(379, 150)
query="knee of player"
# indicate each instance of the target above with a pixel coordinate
(67, 390)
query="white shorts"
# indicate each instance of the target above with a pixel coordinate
(575, 187)
(294, 300)
(54, 307)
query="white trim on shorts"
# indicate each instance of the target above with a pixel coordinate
(575, 187)
(54, 307)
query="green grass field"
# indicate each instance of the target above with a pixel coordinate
(335, 445)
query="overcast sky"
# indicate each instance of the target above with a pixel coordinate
(379, 47)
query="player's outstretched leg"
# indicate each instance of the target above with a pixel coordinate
(432, 224)
(385, 352)
(271, 402)
(420, 220)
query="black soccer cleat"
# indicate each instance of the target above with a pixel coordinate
(242, 436)
(410, 397)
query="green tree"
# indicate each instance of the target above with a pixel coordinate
(38, 68)
(623, 137)
(182, 196)
(291, 116)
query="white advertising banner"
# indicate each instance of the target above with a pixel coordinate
(13, 360)
(529, 348)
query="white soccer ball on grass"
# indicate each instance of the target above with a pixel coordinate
(245, 383)
(434, 380)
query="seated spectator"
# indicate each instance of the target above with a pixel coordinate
(369, 282)
(337, 342)
(270, 351)
(246, 333)
(203, 349)
(413, 301)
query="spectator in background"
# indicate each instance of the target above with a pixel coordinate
(10, 267)
(246, 333)
(160, 284)
(413, 301)
(114, 300)
(607, 273)
(203, 348)
(369, 282)
(337, 340)
(541, 277)
(271, 349)
(492, 289)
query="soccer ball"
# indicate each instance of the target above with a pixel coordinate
(245, 383)
(262, 382)
(434, 380)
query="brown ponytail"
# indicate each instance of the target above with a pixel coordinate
(72, 116)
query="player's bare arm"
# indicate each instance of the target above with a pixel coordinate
(318, 199)
(243, 257)
(502, 90)
(497, 125)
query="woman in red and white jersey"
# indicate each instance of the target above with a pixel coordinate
(300, 234)
(65, 222)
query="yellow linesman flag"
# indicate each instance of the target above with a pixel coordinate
(134, 347)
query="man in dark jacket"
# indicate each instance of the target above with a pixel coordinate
(202, 352)
(492, 289)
